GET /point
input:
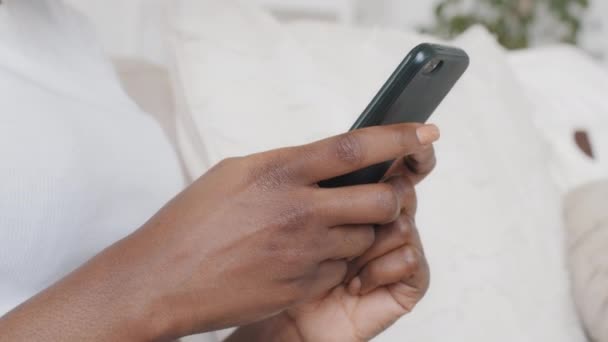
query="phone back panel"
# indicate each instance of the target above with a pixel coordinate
(411, 94)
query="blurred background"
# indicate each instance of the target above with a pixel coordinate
(516, 23)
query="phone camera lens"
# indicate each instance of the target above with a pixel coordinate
(433, 66)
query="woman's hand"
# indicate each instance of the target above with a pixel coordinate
(381, 286)
(252, 237)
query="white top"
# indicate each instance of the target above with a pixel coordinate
(81, 166)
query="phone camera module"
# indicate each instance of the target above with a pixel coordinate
(433, 66)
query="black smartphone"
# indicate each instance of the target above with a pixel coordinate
(411, 94)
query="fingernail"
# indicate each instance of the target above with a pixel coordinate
(354, 287)
(428, 134)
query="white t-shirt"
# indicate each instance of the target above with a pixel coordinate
(82, 166)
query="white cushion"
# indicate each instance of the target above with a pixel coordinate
(489, 216)
(568, 92)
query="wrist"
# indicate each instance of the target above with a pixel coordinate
(280, 328)
(98, 301)
(145, 316)
(119, 295)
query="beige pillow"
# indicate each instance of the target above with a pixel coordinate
(587, 224)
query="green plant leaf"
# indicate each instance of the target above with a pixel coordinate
(511, 21)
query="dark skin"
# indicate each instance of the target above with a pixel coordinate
(256, 243)
(381, 286)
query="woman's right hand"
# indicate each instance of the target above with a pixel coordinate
(252, 237)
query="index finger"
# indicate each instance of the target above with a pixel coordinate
(342, 154)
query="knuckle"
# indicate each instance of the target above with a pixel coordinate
(270, 172)
(387, 202)
(348, 149)
(404, 229)
(295, 214)
(405, 187)
(407, 194)
(413, 259)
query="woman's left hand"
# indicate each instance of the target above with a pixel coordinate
(387, 288)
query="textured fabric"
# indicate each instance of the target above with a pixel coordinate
(490, 216)
(586, 212)
(82, 166)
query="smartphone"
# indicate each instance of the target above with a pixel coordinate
(411, 94)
